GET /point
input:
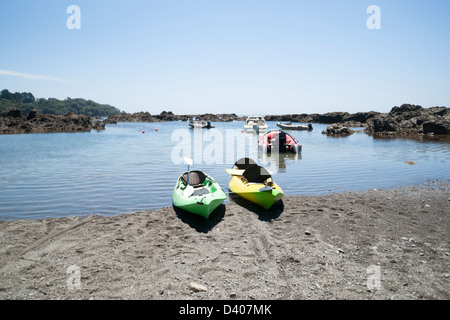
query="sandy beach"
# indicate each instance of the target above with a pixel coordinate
(377, 244)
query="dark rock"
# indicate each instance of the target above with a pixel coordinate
(98, 125)
(360, 117)
(411, 119)
(436, 126)
(382, 122)
(333, 117)
(405, 108)
(14, 122)
(337, 129)
(13, 113)
(32, 115)
(168, 116)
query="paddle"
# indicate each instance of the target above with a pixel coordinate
(189, 189)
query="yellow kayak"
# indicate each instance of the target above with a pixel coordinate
(254, 183)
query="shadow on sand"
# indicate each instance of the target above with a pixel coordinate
(198, 222)
(263, 214)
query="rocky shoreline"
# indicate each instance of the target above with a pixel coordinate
(407, 120)
(404, 120)
(14, 122)
(169, 116)
(411, 119)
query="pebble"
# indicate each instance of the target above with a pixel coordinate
(197, 287)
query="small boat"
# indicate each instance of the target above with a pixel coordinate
(280, 141)
(254, 183)
(290, 126)
(197, 192)
(196, 122)
(255, 124)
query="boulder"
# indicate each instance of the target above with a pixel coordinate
(338, 129)
(405, 108)
(436, 126)
(382, 123)
(32, 114)
(332, 117)
(411, 119)
(13, 113)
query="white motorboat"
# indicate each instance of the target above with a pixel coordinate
(255, 124)
(290, 126)
(196, 122)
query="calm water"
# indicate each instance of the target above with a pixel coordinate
(121, 169)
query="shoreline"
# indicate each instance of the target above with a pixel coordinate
(408, 120)
(306, 247)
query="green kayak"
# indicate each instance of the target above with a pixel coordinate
(198, 193)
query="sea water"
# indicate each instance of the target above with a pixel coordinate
(132, 167)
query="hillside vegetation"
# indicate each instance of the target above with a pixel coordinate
(26, 102)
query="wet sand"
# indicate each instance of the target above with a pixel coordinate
(377, 244)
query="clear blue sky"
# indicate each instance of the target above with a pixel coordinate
(242, 56)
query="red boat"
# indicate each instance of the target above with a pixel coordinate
(280, 141)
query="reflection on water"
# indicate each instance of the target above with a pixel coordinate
(277, 161)
(121, 169)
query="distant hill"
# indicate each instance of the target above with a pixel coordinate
(25, 101)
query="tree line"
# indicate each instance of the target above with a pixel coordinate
(25, 101)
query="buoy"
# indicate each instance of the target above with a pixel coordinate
(156, 129)
(242, 130)
(143, 131)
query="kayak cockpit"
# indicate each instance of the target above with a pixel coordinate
(256, 174)
(254, 183)
(201, 183)
(196, 178)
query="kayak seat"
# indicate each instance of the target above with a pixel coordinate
(196, 178)
(256, 174)
(244, 163)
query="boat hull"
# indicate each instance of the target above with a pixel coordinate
(279, 141)
(255, 124)
(251, 192)
(303, 127)
(202, 205)
(198, 123)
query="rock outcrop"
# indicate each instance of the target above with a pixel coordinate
(405, 120)
(411, 119)
(14, 121)
(358, 119)
(337, 129)
(168, 116)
